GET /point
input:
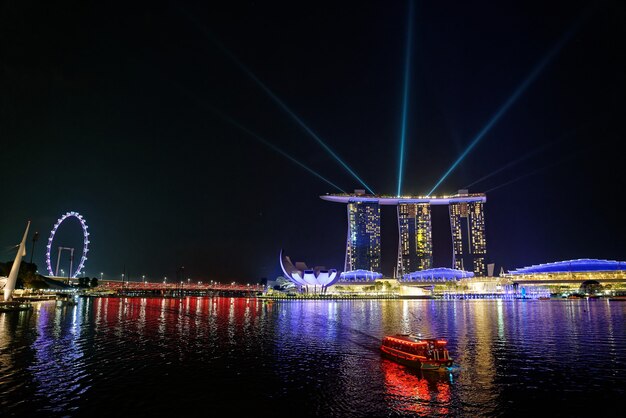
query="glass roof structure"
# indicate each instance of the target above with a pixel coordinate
(579, 265)
(437, 274)
(360, 276)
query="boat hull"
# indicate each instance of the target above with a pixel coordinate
(423, 364)
(415, 364)
(435, 365)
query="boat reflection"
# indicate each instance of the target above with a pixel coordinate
(424, 393)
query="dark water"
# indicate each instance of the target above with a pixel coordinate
(245, 357)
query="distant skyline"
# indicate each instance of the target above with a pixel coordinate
(202, 135)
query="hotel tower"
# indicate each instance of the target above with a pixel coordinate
(415, 245)
(363, 243)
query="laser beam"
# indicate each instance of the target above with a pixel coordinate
(264, 141)
(273, 147)
(278, 101)
(295, 117)
(532, 172)
(520, 159)
(405, 100)
(511, 100)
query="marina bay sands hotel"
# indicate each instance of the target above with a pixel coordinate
(415, 246)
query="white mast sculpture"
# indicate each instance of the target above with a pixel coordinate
(21, 252)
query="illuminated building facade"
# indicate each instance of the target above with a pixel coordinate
(570, 275)
(363, 243)
(467, 223)
(307, 278)
(415, 248)
(574, 271)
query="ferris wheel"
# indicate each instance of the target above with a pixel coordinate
(71, 273)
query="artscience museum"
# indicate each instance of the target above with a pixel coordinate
(307, 279)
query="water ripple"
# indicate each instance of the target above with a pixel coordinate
(314, 358)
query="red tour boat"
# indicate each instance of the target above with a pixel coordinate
(417, 352)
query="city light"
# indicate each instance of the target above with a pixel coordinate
(405, 100)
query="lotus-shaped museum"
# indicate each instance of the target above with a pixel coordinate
(306, 277)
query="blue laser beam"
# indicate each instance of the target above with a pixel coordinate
(520, 159)
(295, 117)
(278, 101)
(264, 141)
(273, 147)
(405, 100)
(567, 157)
(511, 100)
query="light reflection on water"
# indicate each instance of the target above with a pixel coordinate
(310, 358)
(415, 391)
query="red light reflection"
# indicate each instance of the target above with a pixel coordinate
(425, 393)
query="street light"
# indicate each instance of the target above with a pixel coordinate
(143, 277)
(101, 274)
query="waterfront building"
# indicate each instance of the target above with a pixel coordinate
(415, 244)
(439, 274)
(307, 279)
(579, 269)
(359, 276)
(569, 275)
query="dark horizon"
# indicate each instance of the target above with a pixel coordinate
(194, 134)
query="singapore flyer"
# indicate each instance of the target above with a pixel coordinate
(71, 273)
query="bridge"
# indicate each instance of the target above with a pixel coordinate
(128, 288)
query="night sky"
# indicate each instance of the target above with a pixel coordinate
(127, 113)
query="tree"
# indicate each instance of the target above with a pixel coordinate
(27, 276)
(284, 284)
(94, 282)
(591, 287)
